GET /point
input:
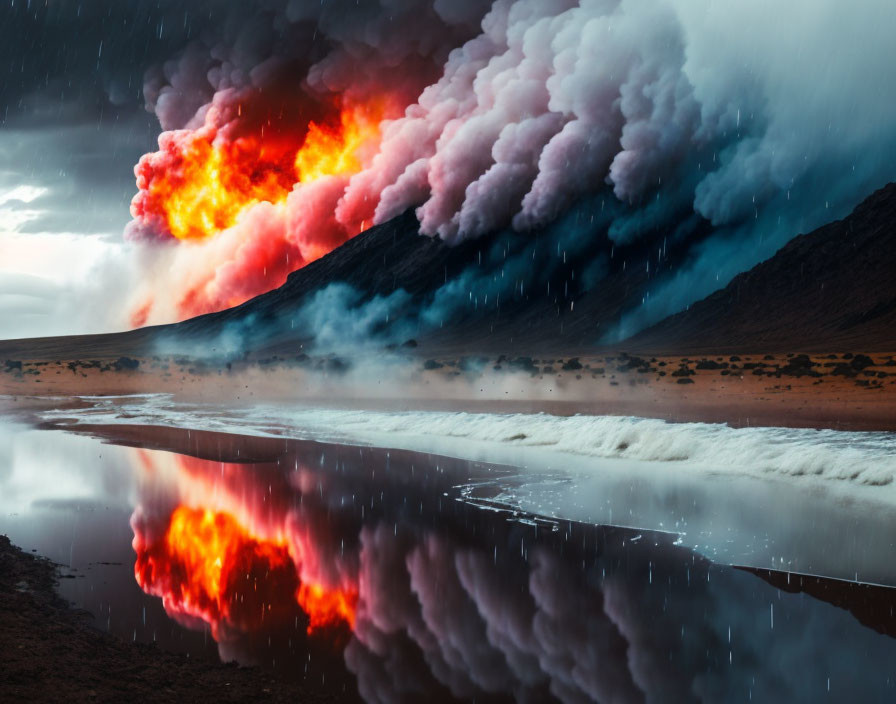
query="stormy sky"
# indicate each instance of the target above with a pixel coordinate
(72, 126)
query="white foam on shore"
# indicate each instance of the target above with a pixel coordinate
(810, 501)
(858, 458)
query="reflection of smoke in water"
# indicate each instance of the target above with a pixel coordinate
(427, 596)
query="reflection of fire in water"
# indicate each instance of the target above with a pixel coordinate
(469, 608)
(208, 565)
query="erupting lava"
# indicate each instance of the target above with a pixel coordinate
(209, 566)
(250, 195)
(200, 180)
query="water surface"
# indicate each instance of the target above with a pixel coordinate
(397, 574)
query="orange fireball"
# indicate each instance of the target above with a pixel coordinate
(200, 180)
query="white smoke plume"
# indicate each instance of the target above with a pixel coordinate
(760, 120)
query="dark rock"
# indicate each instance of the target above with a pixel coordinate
(799, 365)
(524, 364)
(572, 364)
(126, 364)
(709, 364)
(861, 361)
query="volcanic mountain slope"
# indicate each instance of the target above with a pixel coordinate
(834, 288)
(544, 306)
(382, 259)
(831, 289)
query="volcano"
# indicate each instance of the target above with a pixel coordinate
(806, 297)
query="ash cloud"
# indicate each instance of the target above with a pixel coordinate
(277, 68)
(748, 123)
(716, 115)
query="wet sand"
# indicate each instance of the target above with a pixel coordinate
(849, 391)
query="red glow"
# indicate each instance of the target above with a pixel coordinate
(326, 607)
(209, 566)
(249, 195)
(200, 181)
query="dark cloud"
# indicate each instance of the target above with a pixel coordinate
(86, 169)
(88, 56)
(73, 118)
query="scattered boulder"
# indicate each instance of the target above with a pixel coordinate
(799, 365)
(709, 364)
(524, 364)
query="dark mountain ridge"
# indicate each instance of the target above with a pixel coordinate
(831, 289)
(559, 291)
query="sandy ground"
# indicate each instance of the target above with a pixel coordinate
(50, 653)
(838, 390)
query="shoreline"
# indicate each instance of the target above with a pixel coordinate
(52, 660)
(837, 391)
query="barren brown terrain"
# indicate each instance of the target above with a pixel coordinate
(837, 390)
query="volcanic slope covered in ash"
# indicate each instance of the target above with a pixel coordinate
(831, 289)
(557, 289)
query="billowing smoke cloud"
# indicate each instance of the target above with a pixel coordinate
(265, 122)
(674, 118)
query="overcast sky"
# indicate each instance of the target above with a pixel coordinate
(72, 126)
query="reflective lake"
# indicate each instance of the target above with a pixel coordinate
(396, 574)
